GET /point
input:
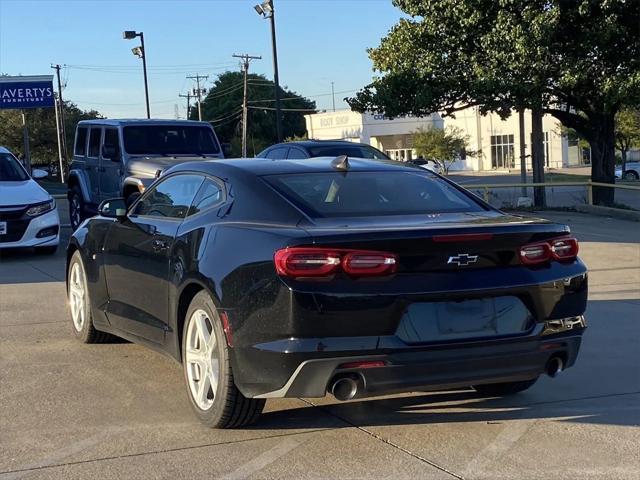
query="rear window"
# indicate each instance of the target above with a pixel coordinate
(357, 194)
(355, 150)
(169, 140)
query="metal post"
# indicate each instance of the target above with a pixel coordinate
(59, 142)
(144, 70)
(523, 157)
(333, 96)
(25, 140)
(63, 131)
(276, 79)
(589, 193)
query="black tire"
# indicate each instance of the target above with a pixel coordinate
(76, 208)
(230, 408)
(503, 389)
(47, 250)
(630, 175)
(87, 333)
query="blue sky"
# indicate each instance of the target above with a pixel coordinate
(319, 41)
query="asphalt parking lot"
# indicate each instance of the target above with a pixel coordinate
(69, 410)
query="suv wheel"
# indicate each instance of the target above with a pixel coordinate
(207, 371)
(631, 175)
(76, 208)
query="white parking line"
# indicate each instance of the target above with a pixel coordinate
(504, 441)
(266, 458)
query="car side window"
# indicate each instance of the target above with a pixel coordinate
(80, 147)
(279, 153)
(211, 193)
(296, 153)
(171, 198)
(94, 142)
(111, 142)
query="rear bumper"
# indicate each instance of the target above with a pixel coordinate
(311, 366)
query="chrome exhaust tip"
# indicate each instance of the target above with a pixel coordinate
(554, 367)
(344, 388)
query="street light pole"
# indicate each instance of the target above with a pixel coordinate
(144, 70)
(140, 52)
(267, 10)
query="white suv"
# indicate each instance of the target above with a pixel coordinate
(28, 214)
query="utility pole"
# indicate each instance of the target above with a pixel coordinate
(333, 96)
(62, 132)
(276, 78)
(144, 72)
(198, 91)
(188, 96)
(537, 156)
(246, 58)
(59, 143)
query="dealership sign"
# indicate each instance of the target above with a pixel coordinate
(26, 92)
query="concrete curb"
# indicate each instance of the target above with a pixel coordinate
(633, 215)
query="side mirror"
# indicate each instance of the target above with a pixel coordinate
(39, 174)
(113, 208)
(110, 152)
(226, 149)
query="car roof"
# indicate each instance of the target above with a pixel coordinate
(265, 166)
(4, 150)
(315, 143)
(114, 122)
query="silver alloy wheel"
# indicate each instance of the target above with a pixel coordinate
(77, 291)
(75, 211)
(201, 357)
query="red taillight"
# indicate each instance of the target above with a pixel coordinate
(364, 364)
(561, 249)
(300, 262)
(307, 262)
(369, 263)
(564, 248)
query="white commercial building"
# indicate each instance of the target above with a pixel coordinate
(496, 140)
(395, 137)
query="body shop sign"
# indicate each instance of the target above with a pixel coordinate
(26, 92)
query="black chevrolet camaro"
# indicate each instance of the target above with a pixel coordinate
(355, 277)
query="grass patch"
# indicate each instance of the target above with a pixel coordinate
(565, 177)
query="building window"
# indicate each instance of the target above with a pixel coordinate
(502, 151)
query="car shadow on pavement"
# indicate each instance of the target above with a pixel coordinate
(456, 407)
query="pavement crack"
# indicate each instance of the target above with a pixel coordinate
(9, 473)
(386, 441)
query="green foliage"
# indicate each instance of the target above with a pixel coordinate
(627, 130)
(223, 108)
(577, 60)
(42, 131)
(445, 145)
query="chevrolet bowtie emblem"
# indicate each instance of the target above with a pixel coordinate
(463, 259)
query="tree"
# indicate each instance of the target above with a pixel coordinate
(42, 131)
(576, 60)
(445, 145)
(223, 108)
(627, 132)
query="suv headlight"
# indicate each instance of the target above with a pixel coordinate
(41, 208)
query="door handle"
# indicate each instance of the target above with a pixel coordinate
(159, 245)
